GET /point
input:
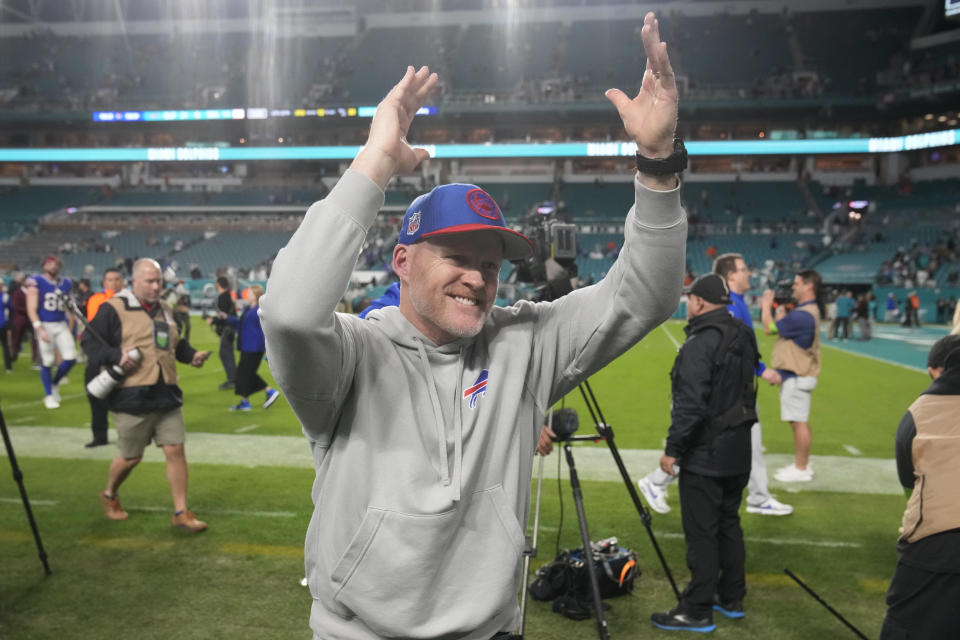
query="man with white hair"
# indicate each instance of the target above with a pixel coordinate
(423, 418)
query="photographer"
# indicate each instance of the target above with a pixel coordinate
(925, 589)
(146, 404)
(796, 357)
(423, 418)
(713, 409)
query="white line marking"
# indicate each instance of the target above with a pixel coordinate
(38, 403)
(23, 420)
(249, 427)
(852, 450)
(670, 335)
(782, 541)
(228, 512)
(44, 503)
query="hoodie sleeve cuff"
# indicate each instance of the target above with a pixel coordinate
(657, 209)
(357, 197)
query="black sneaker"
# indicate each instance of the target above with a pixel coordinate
(95, 443)
(226, 386)
(732, 609)
(678, 620)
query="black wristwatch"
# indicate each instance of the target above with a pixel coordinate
(676, 162)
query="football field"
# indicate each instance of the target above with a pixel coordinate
(250, 478)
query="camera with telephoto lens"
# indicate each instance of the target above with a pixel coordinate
(101, 386)
(565, 423)
(553, 263)
(783, 294)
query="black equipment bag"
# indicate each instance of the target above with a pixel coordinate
(615, 567)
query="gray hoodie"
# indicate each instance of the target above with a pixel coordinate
(424, 453)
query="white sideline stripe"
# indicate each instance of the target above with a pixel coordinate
(780, 541)
(852, 450)
(670, 335)
(843, 474)
(249, 427)
(23, 420)
(222, 512)
(43, 503)
(39, 403)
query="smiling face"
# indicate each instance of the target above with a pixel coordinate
(449, 283)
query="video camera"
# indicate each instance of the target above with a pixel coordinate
(565, 424)
(783, 293)
(553, 264)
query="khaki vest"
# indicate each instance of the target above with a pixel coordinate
(789, 357)
(933, 506)
(137, 331)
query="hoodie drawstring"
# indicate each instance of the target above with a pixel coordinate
(441, 432)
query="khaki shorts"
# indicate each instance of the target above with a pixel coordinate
(134, 432)
(795, 398)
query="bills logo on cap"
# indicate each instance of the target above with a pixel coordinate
(477, 390)
(414, 223)
(482, 204)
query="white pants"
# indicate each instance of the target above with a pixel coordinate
(60, 340)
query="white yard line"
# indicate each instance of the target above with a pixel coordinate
(670, 335)
(249, 427)
(852, 450)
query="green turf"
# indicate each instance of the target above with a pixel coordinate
(240, 579)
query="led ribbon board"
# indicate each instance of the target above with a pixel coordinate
(450, 151)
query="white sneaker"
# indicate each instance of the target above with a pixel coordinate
(654, 495)
(770, 507)
(55, 392)
(50, 402)
(791, 473)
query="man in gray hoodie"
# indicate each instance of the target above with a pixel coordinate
(423, 418)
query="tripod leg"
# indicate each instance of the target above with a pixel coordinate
(18, 477)
(587, 548)
(531, 552)
(606, 431)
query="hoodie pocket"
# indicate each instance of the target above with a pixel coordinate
(424, 576)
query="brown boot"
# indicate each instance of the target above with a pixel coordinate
(111, 507)
(186, 520)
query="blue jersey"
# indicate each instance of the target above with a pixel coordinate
(50, 307)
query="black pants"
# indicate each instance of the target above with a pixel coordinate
(843, 324)
(7, 362)
(711, 527)
(248, 380)
(98, 407)
(922, 605)
(226, 354)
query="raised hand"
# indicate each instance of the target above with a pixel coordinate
(387, 151)
(651, 117)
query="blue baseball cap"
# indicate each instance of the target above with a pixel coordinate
(459, 208)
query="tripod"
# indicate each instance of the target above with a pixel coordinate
(606, 432)
(18, 476)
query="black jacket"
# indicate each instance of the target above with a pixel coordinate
(143, 399)
(701, 395)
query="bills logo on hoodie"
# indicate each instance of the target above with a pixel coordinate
(477, 390)
(413, 225)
